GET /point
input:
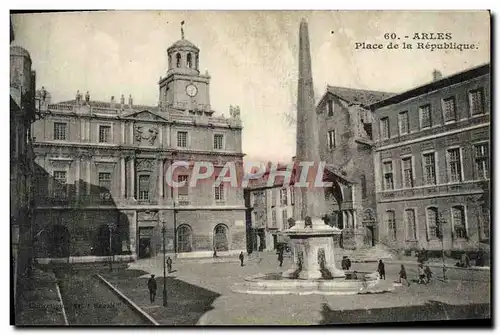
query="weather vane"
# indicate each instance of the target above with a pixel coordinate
(182, 29)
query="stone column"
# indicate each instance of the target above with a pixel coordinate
(122, 177)
(132, 177)
(132, 222)
(88, 179)
(77, 181)
(122, 132)
(160, 178)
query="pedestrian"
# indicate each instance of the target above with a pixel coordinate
(152, 288)
(241, 258)
(169, 264)
(348, 262)
(421, 274)
(465, 260)
(215, 253)
(354, 275)
(381, 269)
(402, 275)
(280, 257)
(428, 274)
(344, 263)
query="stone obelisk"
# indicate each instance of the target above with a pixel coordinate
(312, 198)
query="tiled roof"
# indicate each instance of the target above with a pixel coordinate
(357, 96)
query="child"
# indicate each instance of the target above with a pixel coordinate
(402, 275)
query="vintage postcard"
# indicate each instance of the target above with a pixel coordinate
(208, 168)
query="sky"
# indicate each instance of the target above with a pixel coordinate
(250, 55)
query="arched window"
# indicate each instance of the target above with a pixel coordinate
(432, 219)
(189, 61)
(184, 239)
(169, 61)
(197, 61)
(178, 59)
(220, 238)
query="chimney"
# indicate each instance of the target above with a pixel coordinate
(112, 101)
(436, 75)
(122, 101)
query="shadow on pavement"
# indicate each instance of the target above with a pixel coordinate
(431, 311)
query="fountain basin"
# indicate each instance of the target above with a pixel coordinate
(275, 283)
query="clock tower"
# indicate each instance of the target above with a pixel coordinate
(183, 88)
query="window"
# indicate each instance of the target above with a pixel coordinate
(429, 162)
(105, 184)
(388, 176)
(411, 225)
(184, 238)
(407, 172)
(485, 223)
(482, 160)
(425, 117)
(331, 139)
(220, 238)
(178, 59)
(104, 134)
(476, 101)
(384, 128)
(183, 191)
(449, 109)
(390, 221)
(404, 123)
(284, 218)
(454, 165)
(144, 187)
(60, 179)
(363, 186)
(329, 107)
(189, 61)
(458, 216)
(59, 131)
(292, 196)
(182, 139)
(218, 141)
(219, 193)
(273, 218)
(432, 219)
(283, 197)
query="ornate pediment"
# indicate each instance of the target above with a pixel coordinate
(145, 115)
(147, 216)
(145, 165)
(146, 133)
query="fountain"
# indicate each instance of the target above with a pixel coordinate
(311, 240)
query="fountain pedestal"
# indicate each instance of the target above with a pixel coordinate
(313, 250)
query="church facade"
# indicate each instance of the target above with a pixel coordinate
(101, 173)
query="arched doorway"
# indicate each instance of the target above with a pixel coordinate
(184, 238)
(59, 239)
(369, 227)
(220, 238)
(103, 246)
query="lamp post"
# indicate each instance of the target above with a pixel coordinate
(440, 233)
(110, 229)
(164, 270)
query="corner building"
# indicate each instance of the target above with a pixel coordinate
(101, 170)
(432, 164)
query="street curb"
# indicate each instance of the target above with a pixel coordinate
(66, 323)
(128, 301)
(437, 265)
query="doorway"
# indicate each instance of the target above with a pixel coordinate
(369, 238)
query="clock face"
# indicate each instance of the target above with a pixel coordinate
(191, 90)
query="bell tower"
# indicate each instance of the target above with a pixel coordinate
(183, 88)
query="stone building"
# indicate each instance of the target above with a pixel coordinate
(432, 163)
(346, 145)
(22, 114)
(101, 169)
(270, 210)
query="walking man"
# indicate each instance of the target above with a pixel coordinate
(280, 257)
(428, 274)
(169, 264)
(381, 269)
(241, 258)
(402, 275)
(421, 274)
(152, 288)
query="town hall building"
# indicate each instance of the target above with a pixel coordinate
(100, 170)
